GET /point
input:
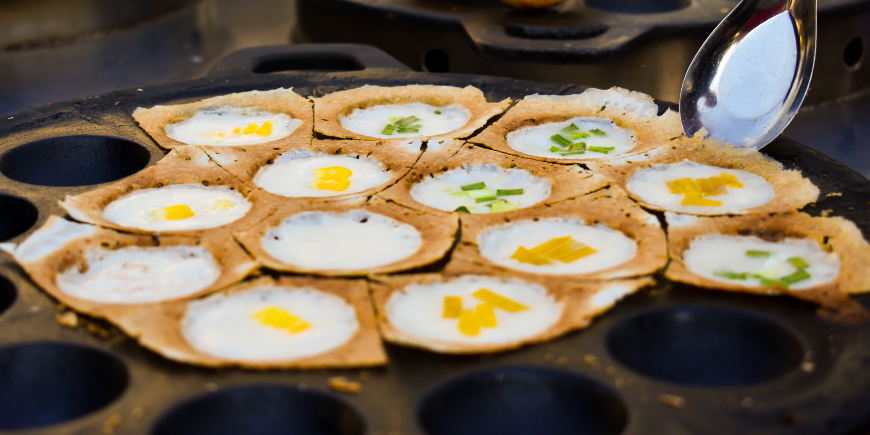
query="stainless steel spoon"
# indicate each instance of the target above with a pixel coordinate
(752, 73)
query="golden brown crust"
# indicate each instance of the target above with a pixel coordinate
(331, 108)
(438, 233)
(183, 165)
(609, 207)
(837, 234)
(155, 119)
(235, 264)
(159, 328)
(638, 113)
(792, 190)
(565, 181)
(580, 306)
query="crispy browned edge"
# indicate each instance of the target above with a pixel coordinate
(836, 233)
(649, 133)
(565, 181)
(183, 165)
(438, 232)
(610, 207)
(330, 108)
(793, 190)
(234, 262)
(159, 328)
(577, 314)
(155, 119)
(245, 162)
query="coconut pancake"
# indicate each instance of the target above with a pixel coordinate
(428, 111)
(184, 193)
(97, 271)
(289, 322)
(483, 314)
(601, 235)
(484, 181)
(596, 124)
(350, 238)
(716, 179)
(269, 118)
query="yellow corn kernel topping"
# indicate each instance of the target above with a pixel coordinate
(237, 131)
(332, 178)
(689, 188)
(498, 301)
(689, 200)
(223, 204)
(552, 245)
(279, 318)
(730, 180)
(572, 256)
(469, 324)
(486, 316)
(563, 249)
(265, 129)
(524, 255)
(251, 128)
(172, 213)
(696, 190)
(674, 188)
(332, 172)
(452, 307)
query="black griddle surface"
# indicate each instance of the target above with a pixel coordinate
(742, 364)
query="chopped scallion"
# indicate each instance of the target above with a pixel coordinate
(555, 149)
(798, 262)
(730, 275)
(581, 135)
(485, 199)
(798, 275)
(388, 130)
(474, 186)
(597, 132)
(560, 140)
(571, 153)
(437, 112)
(603, 150)
(505, 192)
(501, 206)
(758, 254)
(479, 193)
(570, 128)
(462, 209)
(579, 146)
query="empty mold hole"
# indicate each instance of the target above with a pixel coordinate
(74, 160)
(262, 410)
(47, 383)
(639, 6)
(853, 52)
(522, 401)
(7, 297)
(17, 216)
(705, 346)
(436, 61)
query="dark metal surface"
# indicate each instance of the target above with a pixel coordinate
(822, 386)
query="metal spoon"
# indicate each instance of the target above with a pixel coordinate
(752, 73)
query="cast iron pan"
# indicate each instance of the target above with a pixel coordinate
(739, 364)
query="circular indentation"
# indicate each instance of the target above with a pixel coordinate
(709, 346)
(853, 52)
(46, 383)
(7, 295)
(639, 6)
(17, 217)
(518, 400)
(74, 160)
(262, 410)
(436, 61)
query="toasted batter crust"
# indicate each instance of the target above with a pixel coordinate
(631, 110)
(610, 207)
(234, 262)
(580, 306)
(565, 181)
(438, 232)
(331, 108)
(836, 233)
(159, 327)
(183, 165)
(792, 190)
(155, 119)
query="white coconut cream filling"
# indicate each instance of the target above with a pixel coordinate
(227, 326)
(598, 134)
(714, 256)
(612, 247)
(444, 192)
(432, 120)
(651, 185)
(135, 275)
(355, 239)
(207, 207)
(232, 126)
(418, 310)
(293, 174)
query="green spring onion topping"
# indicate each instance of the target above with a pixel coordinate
(485, 199)
(798, 275)
(571, 153)
(798, 262)
(560, 140)
(474, 186)
(570, 128)
(581, 135)
(603, 150)
(579, 146)
(501, 206)
(597, 132)
(555, 149)
(730, 275)
(388, 130)
(462, 209)
(437, 112)
(758, 254)
(505, 192)
(402, 124)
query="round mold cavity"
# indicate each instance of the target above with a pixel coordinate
(522, 401)
(7, 297)
(705, 346)
(74, 160)
(639, 6)
(47, 383)
(853, 52)
(262, 410)
(17, 217)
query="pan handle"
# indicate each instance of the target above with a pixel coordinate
(302, 57)
(500, 40)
